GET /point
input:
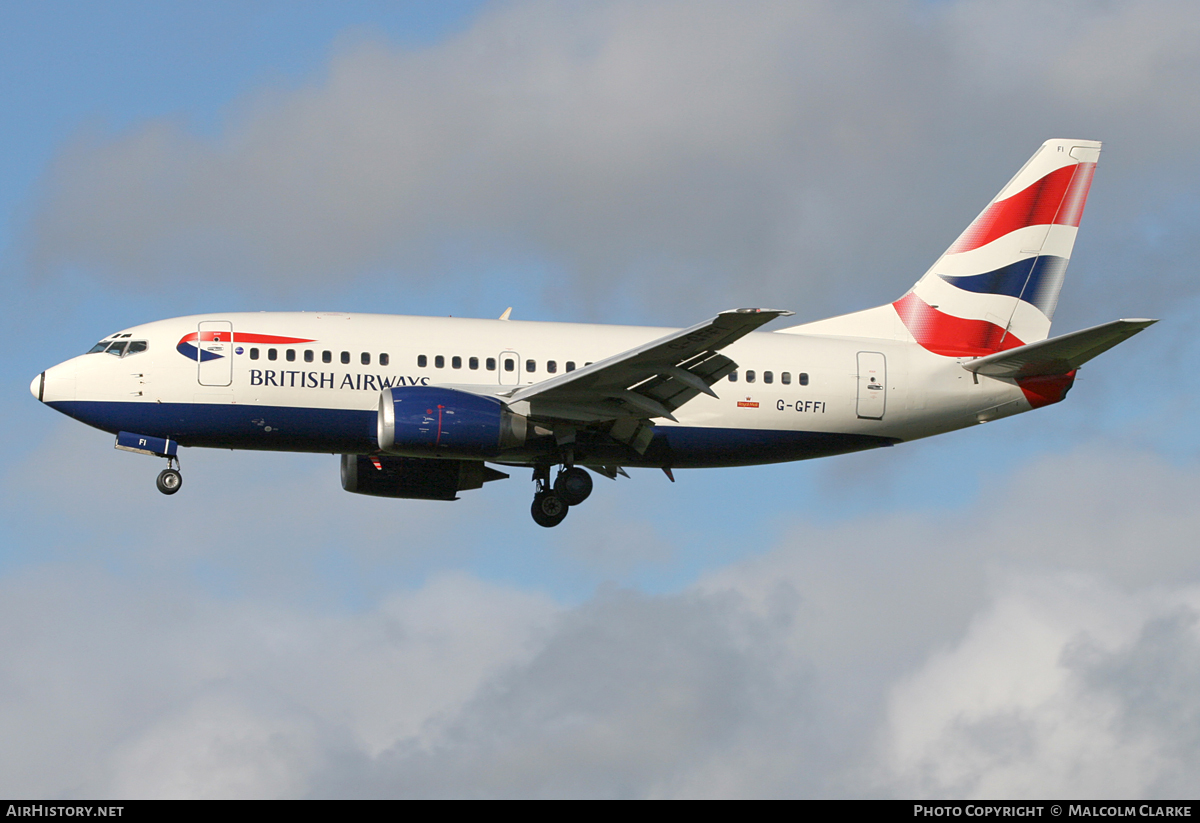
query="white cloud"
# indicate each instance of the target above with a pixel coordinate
(111, 689)
(213, 749)
(684, 151)
(1032, 702)
(934, 655)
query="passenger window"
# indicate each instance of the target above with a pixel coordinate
(137, 346)
(326, 357)
(384, 359)
(531, 366)
(768, 377)
(272, 354)
(254, 354)
(510, 364)
(422, 361)
(552, 366)
(785, 378)
(439, 362)
(365, 358)
(733, 377)
(345, 358)
(749, 375)
(290, 355)
(802, 378)
(117, 349)
(473, 364)
(456, 362)
(570, 365)
(308, 355)
(491, 364)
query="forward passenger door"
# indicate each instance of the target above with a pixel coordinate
(214, 353)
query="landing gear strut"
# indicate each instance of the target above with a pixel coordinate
(170, 480)
(548, 509)
(552, 502)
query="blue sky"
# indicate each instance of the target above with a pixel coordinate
(965, 616)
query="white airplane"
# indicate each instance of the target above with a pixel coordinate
(418, 406)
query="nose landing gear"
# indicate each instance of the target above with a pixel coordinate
(169, 480)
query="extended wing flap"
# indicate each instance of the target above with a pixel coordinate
(651, 380)
(679, 385)
(1058, 355)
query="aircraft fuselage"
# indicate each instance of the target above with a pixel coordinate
(283, 396)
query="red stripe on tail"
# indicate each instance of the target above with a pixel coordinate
(1057, 199)
(948, 335)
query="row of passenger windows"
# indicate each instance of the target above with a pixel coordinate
(769, 377)
(509, 364)
(326, 356)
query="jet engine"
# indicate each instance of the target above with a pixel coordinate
(414, 477)
(429, 420)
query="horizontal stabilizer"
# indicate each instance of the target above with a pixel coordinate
(1058, 355)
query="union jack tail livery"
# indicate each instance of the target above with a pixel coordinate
(996, 287)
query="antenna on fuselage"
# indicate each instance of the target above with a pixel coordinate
(507, 312)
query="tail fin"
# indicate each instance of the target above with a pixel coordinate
(997, 286)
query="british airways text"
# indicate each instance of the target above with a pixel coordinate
(329, 380)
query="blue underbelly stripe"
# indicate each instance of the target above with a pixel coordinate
(233, 426)
(286, 428)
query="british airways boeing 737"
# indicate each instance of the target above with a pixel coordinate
(419, 406)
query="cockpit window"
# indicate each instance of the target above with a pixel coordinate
(120, 347)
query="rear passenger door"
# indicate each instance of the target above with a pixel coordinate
(872, 385)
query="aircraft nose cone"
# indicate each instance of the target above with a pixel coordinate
(37, 385)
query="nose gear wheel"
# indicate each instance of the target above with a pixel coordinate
(169, 481)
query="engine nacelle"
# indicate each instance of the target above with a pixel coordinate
(429, 420)
(414, 477)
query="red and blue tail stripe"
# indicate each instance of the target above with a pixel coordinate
(998, 283)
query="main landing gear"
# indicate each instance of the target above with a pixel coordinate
(551, 503)
(170, 480)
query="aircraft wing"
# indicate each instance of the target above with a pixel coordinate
(1057, 355)
(651, 380)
